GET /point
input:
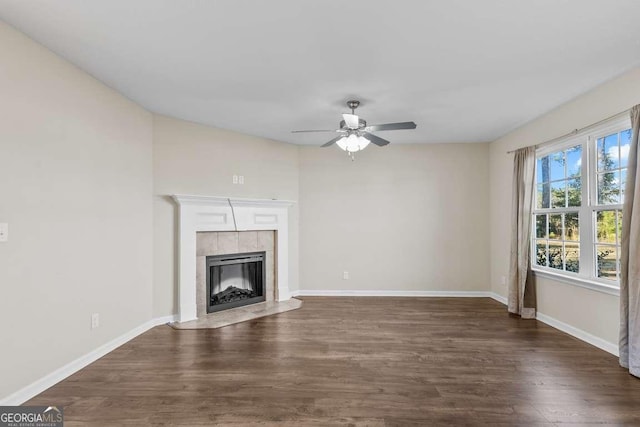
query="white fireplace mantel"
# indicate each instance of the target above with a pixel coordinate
(206, 213)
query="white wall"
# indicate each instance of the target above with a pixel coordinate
(189, 158)
(401, 217)
(591, 311)
(75, 188)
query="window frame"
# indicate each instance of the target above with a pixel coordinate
(587, 211)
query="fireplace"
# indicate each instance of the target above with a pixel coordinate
(235, 280)
(203, 215)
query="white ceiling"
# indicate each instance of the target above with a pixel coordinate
(463, 70)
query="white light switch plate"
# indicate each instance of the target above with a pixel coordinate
(4, 232)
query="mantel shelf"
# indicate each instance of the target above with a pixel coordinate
(183, 199)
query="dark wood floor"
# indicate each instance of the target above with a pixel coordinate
(356, 361)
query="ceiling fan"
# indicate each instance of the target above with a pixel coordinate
(355, 135)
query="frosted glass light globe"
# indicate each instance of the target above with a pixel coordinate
(353, 143)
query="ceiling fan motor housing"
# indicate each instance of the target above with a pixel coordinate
(353, 104)
(361, 124)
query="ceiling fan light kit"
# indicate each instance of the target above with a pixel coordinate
(353, 143)
(355, 135)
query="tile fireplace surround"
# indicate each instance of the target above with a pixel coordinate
(206, 213)
(233, 242)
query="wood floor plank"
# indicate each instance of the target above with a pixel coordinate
(356, 361)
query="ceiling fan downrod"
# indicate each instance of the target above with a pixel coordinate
(353, 104)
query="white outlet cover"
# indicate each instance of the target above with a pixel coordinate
(241, 179)
(345, 275)
(95, 320)
(235, 179)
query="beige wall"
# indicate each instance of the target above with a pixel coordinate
(401, 217)
(194, 159)
(85, 177)
(591, 311)
(75, 188)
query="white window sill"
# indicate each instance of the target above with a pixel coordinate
(578, 281)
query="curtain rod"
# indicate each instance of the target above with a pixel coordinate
(577, 131)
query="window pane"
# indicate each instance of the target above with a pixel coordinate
(558, 196)
(557, 166)
(555, 255)
(574, 192)
(608, 154)
(599, 151)
(606, 226)
(542, 169)
(540, 175)
(541, 226)
(607, 262)
(613, 151)
(541, 252)
(571, 229)
(572, 257)
(608, 189)
(625, 144)
(574, 161)
(544, 196)
(555, 227)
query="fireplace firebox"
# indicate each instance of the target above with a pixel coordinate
(235, 280)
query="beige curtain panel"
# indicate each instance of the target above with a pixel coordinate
(630, 259)
(521, 287)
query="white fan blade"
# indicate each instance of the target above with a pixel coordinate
(351, 120)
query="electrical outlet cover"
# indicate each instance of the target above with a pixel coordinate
(95, 320)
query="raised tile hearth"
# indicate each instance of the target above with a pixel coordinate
(239, 314)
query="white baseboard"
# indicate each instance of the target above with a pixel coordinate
(38, 386)
(70, 368)
(571, 330)
(579, 333)
(498, 297)
(387, 293)
(564, 327)
(164, 320)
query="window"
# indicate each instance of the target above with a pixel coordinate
(577, 219)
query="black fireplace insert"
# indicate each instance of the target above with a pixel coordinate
(235, 280)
